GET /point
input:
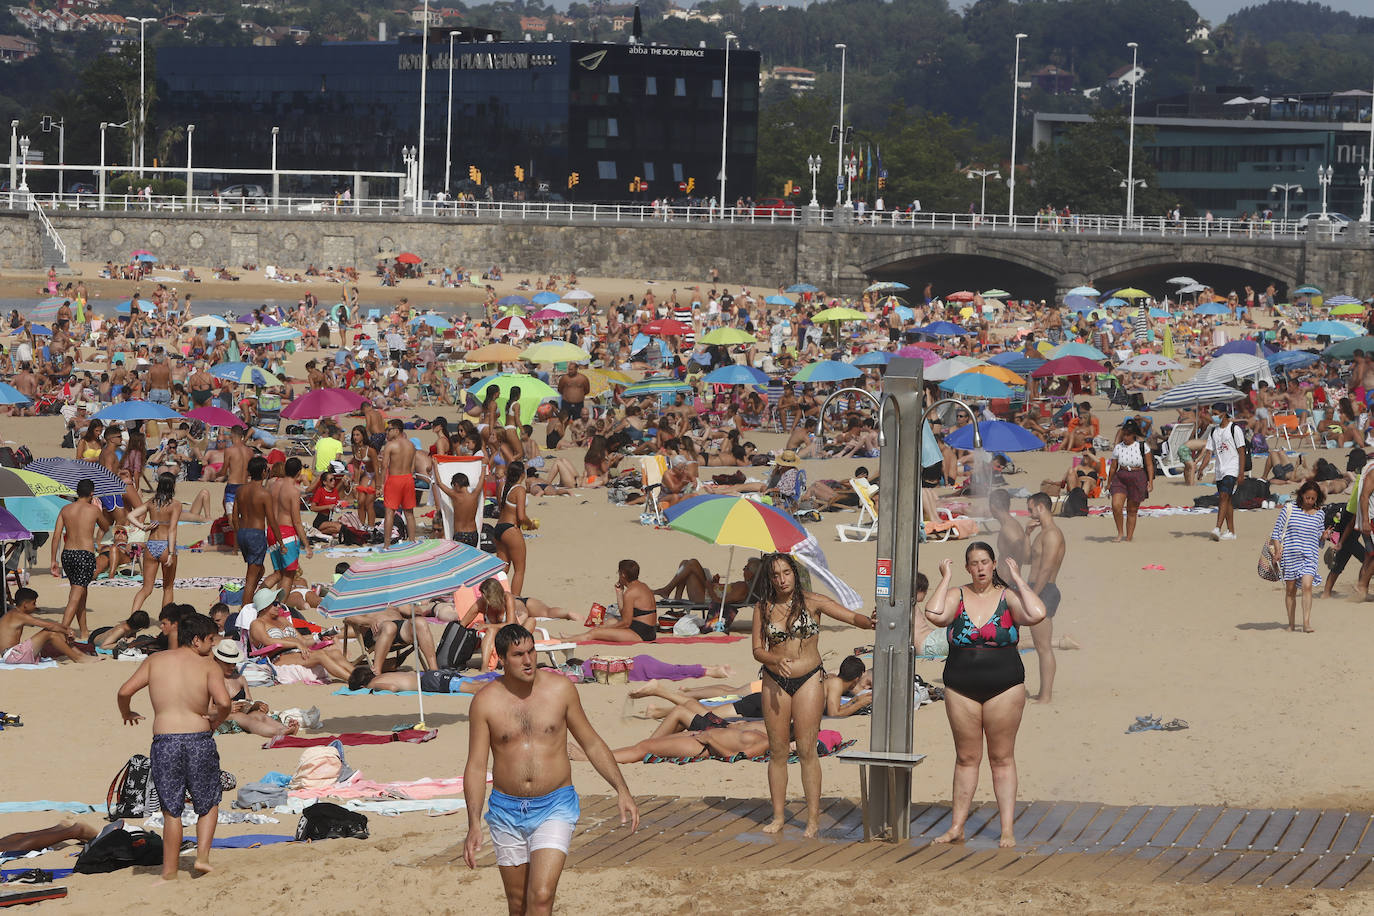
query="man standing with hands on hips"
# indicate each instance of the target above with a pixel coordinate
(522, 720)
(1226, 443)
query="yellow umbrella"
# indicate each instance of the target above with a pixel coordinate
(493, 353)
(726, 336)
(556, 351)
(1044, 346)
(1001, 373)
(1131, 292)
(839, 314)
(603, 379)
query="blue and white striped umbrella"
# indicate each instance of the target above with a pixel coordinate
(1341, 300)
(273, 335)
(803, 288)
(244, 374)
(1194, 392)
(136, 410)
(71, 471)
(12, 395)
(656, 386)
(826, 370)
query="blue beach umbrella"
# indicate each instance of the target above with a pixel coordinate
(656, 386)
(36, 513)
(803, 288)
(146, 257)
(136, 410)
(1114, 303)
(997, 436)
(434, 321)
(512, 300)
(1024, 365)
(244, 374)
(736, 375)
(642, 341)
(1292, 359)
(976, 385)
(1002, 359)
(885, 286)
(273, 335)
(544, 297)
(1074, 348)
(1080, 304)
(1083, 291)
(943, 329)
(775, 299)
(1211, 308)
(126, 307)
(872, 358)
(12, 395)
(1308, 290)
(827, 370)
(904, 313)
(1336, 330)
(1246, 347)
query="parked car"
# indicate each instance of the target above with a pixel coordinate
(82, 187)
(252, 193)
(1337, 221)
(766, 206)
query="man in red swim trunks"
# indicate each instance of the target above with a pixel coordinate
(285, 552)
(398, 472)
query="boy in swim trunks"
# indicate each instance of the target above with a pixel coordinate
(254, 514)
(398, 470)
(183, 683)
(75, 534)
(522, 720)
(51, 640)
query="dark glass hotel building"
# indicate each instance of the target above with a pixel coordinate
(609, 112)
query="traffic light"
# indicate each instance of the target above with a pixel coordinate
(474, 175)
(834, 133)
(573, 179)
(787, 189)
(519, 173)
(691, 183)
(46, 124)
(882, 182)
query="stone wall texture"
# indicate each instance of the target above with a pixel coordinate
(836, 258)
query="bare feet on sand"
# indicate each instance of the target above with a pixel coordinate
(813, 830)
(775, 826)
(952, 835)
(719, 671)
(203, 868)
(648, 688)
(1007, 841)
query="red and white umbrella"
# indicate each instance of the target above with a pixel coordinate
(513, 324)
(667, 327)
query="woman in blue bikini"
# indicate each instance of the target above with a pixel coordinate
(787, 635)
(162, 514)
(984, 696)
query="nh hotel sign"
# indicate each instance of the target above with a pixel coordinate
(480, 60)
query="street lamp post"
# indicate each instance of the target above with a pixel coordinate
(103, 126)
(1130, 141)
(142, 109)
(276, 179)
(14, 158)
(190, 174)
(1286, 188)
(984, 174)
(424, 82)
(24, 167)
(1366, 180)
(1324, 178)
(851, 172)
(839, 158)
(724, 117)
(1015, 104)
(813, 163)
(448, 130)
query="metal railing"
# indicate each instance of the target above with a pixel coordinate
(1293, 230)
(59, 245)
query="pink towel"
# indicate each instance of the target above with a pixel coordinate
(354, 739)
(299, 674)
(366, 788)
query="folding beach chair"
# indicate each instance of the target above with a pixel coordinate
(865, 528)
(651, 468)
(1170, 465)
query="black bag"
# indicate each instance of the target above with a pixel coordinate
(328, 821)
(132, 794)
(119, 848)
(438, 681)
(456, 645)
(193, 469)
(1251, 493)
(1075, 504)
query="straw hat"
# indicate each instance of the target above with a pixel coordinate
(788, 459)
(229, 651)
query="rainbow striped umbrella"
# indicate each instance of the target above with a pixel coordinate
(737, 522)
(47, 309)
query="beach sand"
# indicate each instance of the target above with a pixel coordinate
(1277, 719)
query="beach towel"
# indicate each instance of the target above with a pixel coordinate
(365, 788)
(46, 663)
(352, 739)
(670, 640)
(390, 807)
(252, 840)
(25, 807)
(196, 582)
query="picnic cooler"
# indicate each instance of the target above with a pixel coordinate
(612, 669)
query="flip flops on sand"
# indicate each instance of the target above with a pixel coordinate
(1152, 723)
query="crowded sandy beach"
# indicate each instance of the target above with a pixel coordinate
(1093, 630)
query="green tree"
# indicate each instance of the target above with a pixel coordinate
(1085, 170)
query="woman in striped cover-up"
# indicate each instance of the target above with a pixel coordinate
(1297, 539)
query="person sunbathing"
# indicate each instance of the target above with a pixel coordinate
(110, 637)
(272, 633)
(51, 640)
(1082, 472)
(390, 627)
(436, 681)
(66, 830)
(721, 741)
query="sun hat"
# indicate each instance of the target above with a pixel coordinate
(265, 597)
(229, 651)
(788, 459)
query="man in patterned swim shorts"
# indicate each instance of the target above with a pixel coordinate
(184, 682)
(75, 534)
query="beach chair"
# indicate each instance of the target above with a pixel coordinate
(1170, 465)
(651, 468)
(1291, 426)
(865, 528)
(269, 413)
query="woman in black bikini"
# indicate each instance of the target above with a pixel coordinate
(983, 677)
(787, 631)
(510, 541)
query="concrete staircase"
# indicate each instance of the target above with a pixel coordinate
(52, 252)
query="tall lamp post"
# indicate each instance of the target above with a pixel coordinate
(839, 159)
(1015, 104)
(142, 108)
(1324, 178)
(1130, 141)
(724, 117)
(190, 175)
(103, 125)
(14, 158)
(276, 179)
(448, 130)
(984, 174)
(813, 163)
(424, 82)
(1286, 188)
(24, 166)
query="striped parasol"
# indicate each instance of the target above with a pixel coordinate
(658, 386)
(273, 335)
(245, 374)
(17, 483)
(71, 471)
(48, 308)
(1197, 392)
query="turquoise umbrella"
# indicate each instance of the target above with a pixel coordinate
(976, 385)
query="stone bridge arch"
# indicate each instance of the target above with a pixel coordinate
(963, 262)
(1222, 268)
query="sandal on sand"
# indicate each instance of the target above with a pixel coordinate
(1144, 724)
(1174, 725)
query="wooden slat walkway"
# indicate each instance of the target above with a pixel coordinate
(1326, 850)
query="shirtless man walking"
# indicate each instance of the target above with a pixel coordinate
(573, 389)
(236, 458)
(160, 381)
(74, 533)
(1011, 539)
(254, 515)
(285, 494)
(522, 720)
(183, 683)
(398, 474)
(1046, 556)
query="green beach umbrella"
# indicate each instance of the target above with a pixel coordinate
(556, 351)
(533, 392)
(726, 337)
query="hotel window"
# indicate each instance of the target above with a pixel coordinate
(605, 169)
(680, 86)
(651, 85)
(648, 171)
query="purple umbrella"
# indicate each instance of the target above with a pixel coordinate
(10, 530)
(924, 354)
(215, 416)
(323, 402)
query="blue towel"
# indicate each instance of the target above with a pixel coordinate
(248, 840)
(273, 778)
(73, 807)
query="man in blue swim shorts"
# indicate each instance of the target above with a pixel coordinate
(522, 720)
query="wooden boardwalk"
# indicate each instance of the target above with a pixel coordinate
(1329, 850)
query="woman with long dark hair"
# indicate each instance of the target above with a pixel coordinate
(163, 514)
(510, 541)
(363, 475)
(984, 696)
(787, 636)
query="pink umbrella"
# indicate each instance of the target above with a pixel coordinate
(1070, 365)
(924, 354)
(547, 315)
(215, 416)
(323, 402)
